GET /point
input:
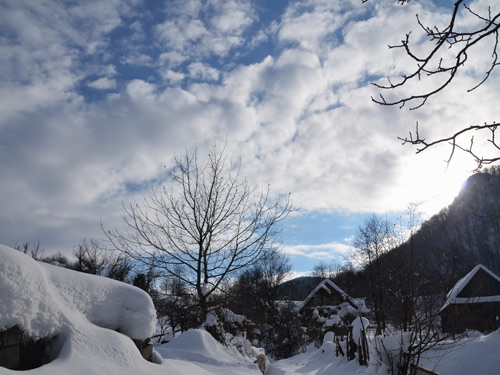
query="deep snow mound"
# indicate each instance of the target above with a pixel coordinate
(198, 345)
(42, 299)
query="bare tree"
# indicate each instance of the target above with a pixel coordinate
(327, 270)
(213, 225)
(174, 305)
(460, 41)
(93, 258)
(274, 267)
(32, 249)
(374, 239)
(255, 291)
(89, 257)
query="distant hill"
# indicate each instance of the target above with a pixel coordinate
(459, 237)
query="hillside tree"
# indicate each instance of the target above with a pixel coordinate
(372, 240)
(326, 270)
(32, 249)
(255, 290)
(213, 224)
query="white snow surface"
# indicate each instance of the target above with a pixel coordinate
(85, 312)
(198, 345)
(359, 325)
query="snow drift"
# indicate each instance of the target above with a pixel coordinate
(198, 345)
(42, 299)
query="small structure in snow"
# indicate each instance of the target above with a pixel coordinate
(44, 307)
(326, 294)
(328, 308)
(473, 303)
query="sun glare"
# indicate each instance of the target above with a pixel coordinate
(432, 185)
(446, 188)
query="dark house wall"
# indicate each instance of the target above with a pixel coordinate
(484, 317)
(323, 298)
(20, 353)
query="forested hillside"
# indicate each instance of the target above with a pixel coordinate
(469, 229)
(444, 249)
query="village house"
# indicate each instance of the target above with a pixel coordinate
(327, 293)
(473, 303)
(329, 308)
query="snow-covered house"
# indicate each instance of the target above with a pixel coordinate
(48, 313)
(327, 293)
(329, 308)
(473, 303)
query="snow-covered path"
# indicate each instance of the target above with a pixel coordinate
(199, 350)
(315, 362)
(198, 353)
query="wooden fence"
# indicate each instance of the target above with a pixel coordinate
(419, 370)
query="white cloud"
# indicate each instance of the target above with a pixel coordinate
(103, 83)
(172, 76)
(332, 250)
(172, 58)
(203, 72)
(259, 38)
(231, 17)
(198, 31)
(137, 58)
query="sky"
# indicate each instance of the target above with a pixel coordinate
(97, 97)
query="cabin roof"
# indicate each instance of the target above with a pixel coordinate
(460, 295)
(326, 284)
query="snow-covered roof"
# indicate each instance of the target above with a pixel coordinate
(452, 296)
(45, 300)
(324, 285)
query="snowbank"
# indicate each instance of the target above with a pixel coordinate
(474, 355)
(42, 299)
(198, 345)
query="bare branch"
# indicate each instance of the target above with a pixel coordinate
(453, 141)
(444, 39)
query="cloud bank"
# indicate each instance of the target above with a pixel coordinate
(96, 98)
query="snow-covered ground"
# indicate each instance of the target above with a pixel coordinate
(86, 312)
(201, 354)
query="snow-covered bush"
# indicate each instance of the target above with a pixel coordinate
(388, 354)
(324, 319)
(281, 336)
(233, 330)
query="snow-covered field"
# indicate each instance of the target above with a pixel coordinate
(86, 312)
